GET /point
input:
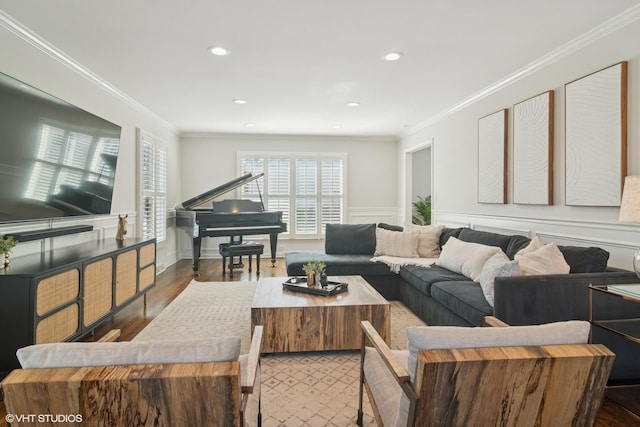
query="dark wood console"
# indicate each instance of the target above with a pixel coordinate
(63, 294)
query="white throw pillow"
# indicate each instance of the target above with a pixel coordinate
(466, 258)
(78, 354)
(498, 265)
(428, 240)
(533, 245)
(396, 243)
(546, 260)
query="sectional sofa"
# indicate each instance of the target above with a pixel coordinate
(440, 296)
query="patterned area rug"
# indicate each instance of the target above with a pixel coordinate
(298, 389)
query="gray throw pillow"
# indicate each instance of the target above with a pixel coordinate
(352, 239)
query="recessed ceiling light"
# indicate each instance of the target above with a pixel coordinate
(337, 126)
(250, 125)
(219, 51)
(353, 104)
(239, 101)
(393, 56)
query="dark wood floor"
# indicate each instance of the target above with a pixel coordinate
(171, 282)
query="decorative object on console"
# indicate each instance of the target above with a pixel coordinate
(492, 153)
(314, 270)
(596, 137)
(121, 235)
(7, 243)
(630, 210)
(533, 150)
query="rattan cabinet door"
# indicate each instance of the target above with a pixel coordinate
(98, 290)
(126, 280)
(54, 323)
(147, 267)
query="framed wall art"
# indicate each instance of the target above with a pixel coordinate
(596, 137)
(533, 150)
(492, 152)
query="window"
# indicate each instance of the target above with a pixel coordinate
(308, 188)
(153, 187)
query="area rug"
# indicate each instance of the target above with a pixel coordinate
(298, 389)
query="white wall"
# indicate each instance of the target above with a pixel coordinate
(455, 155)
(36, 65)
(209, 160)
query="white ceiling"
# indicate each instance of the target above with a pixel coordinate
(297, 62)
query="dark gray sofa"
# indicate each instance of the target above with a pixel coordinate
(442, 297)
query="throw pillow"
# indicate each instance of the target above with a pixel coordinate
(546, 260)
(390, 226)
(397, 243)
(498, 265)
(77, 354)
(533, 245)
(465, 258)
(445, 337)
(428, 240)
(352, 239)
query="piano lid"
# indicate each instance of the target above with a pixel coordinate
(218, 191)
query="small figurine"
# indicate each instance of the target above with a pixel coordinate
(121, 235)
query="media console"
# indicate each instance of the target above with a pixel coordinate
(63, 294)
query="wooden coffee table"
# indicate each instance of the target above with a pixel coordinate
(296, 321)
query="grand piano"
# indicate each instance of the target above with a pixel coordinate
(228, 218)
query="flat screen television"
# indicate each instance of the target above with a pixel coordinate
(56, 160)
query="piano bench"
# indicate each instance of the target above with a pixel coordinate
(232, 250)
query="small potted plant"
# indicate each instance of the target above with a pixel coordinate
(7, 243)
(314, 270)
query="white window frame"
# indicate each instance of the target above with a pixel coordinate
(155, 190)
(292, 157)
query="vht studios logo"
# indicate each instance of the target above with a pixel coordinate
(43, 418)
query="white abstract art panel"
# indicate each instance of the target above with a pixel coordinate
(596, 138)
(533, 150)
(492, 140)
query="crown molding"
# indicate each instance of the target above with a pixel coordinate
(24, 33)
(614, 24)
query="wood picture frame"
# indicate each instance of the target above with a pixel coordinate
(492, 158)
(596, 137)
(533, 150)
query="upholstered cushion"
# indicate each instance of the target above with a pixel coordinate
(464, 298)
(585, 260)
(390, 226)
(397, 243)
(350, 239)
(448, 232)
(498, 265)
(428, 240)
(485, 238)
(76, 354)
(465, 258)
(545, 260)
(444, 337)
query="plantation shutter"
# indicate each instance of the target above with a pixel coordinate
(153, 182)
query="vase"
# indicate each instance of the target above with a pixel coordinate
(311, 278)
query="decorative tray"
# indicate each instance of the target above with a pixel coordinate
(299, 284)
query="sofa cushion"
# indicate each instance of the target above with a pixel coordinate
(546, 260)
(422, 278)
(353, 239)
(585, 260)
(446, 337)
(466, 299)
(390, 226)
(485, 238)
(77, 354)
(465, 257)
(448, 232)
(516, 243)
(337, 265)
(428, 240)
(397, 243)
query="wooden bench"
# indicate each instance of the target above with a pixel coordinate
(212, 394)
